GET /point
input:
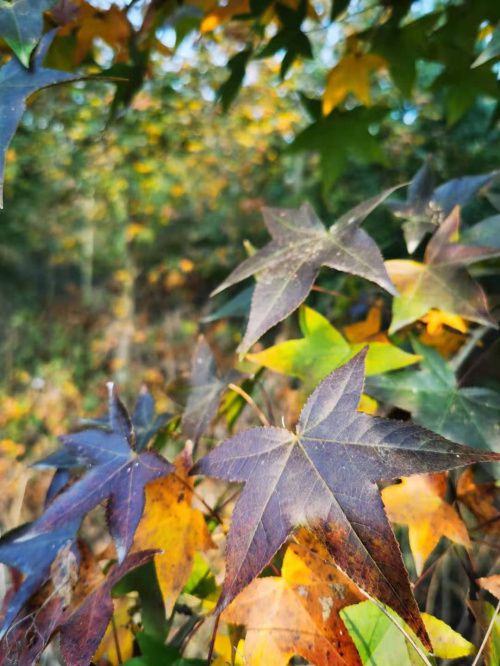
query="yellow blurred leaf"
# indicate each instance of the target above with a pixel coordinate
(172, 525)
(351, 75)
(446, 643)
(418, 501)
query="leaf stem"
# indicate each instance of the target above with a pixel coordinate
(461, 356)
(212, 642)
(116, 641)
(250, 401)
(409, 638)
(486, 635)
(322, 290)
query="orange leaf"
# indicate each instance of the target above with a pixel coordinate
(301, 611)
(418, 501)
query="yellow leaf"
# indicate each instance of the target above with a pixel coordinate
(446, 643)
(418, 501)
(436, 320)
(111, 25)
(172, 525)
(369, 329)
(351, 75)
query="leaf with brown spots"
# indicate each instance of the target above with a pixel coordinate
(301, 616)
(172, 525)
(324, 476)
(419, 502)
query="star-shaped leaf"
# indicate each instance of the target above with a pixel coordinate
(21, 24)
(442, 281)
(172, 525)
(145, 421)
(351, 75)
(323, 348)
(17, 84)
(116, 472)
(324, 476)
(419, 502)
(288, 266)
(302, 611)
(434, 400)
(426, 207)
(341, 138)
(206, 388)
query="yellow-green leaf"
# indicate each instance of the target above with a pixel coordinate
(446, 643)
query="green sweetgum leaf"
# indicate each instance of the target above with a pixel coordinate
(434, 399)
(323, 348)
(21, 24)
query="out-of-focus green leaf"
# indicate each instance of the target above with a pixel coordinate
(491, 51)
(21, 24)
(343, 136)
(434, 399)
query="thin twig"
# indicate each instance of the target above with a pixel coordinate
(115, 638)
(461, 356)
(207, 506)
(409, 638)
(486, 635)
(250, 401)
(322, 290)
(430, 568)
(212, 642)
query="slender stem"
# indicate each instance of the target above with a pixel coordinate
(486, 635)
(461, 356)
(409, 638)
(115, 638)
(322, 290)
(212, 642)
(250, 401)
(430, 568)
(207, 506)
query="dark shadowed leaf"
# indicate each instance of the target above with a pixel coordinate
(468, 415)
(289, 264)
(206, 389)
(237, 67)
(324, 476)
(426, 207)
(342, 137)
(114, 472)
(32, 554)
(21, 24)
(83, 628)
(442, 281)
(28, 636)
(17, 84)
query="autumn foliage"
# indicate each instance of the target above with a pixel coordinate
(318, 487)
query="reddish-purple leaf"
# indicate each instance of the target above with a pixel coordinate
(115, 472)
(324, 476)
(425, 208)
(83, 628)
(289, 264)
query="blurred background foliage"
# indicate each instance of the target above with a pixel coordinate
(126, 203)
